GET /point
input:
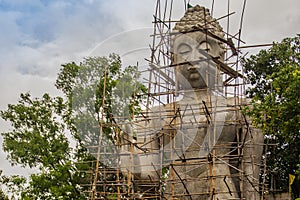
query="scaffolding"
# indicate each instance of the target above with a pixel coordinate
(159, 154)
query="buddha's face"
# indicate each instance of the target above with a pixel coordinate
(195, 51)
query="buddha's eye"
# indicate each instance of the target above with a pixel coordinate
(204, 46)
(184, 49)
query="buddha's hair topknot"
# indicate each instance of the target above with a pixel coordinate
(196, 18)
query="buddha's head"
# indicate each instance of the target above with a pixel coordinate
(194, 43)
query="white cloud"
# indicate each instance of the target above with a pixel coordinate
(268, 20)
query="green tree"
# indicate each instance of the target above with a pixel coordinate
(3, 196)
(274, 75)
(51, 133)
(39, 139)
(12, 185)
(84, 85)
(3, 179)
(101, 92)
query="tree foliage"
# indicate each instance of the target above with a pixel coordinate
(39, 139)
(101, 92)
(85, 90)
(52, 133)
(3, 180)
(274, 75)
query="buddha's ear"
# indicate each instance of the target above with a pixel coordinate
(219, 82)
(177, 86)
(174, 60)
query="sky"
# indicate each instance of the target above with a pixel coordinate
(37, 36)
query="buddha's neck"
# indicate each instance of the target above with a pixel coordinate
(194, 97)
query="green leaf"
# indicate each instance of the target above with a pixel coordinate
(275, 79)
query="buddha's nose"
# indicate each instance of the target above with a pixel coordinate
(191, 68)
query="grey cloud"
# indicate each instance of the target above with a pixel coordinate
(268, 20)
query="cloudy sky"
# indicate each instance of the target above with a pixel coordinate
(37, 36)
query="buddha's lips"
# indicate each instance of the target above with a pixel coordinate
(194, 75)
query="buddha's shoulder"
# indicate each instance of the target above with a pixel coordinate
(237, 102)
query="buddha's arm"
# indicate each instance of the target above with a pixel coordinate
(139, 152)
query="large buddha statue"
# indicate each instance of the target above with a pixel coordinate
(200, 138)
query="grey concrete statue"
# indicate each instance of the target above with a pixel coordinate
(197, 138)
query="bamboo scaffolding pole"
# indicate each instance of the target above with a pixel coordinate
(161, 104)
(100, 120)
